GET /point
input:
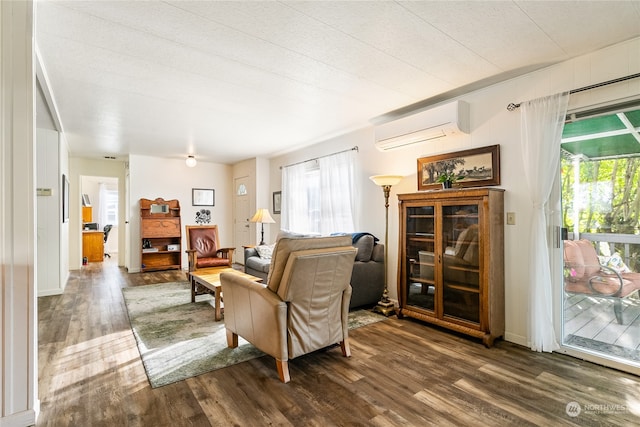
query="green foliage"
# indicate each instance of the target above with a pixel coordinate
(606, 199)
(449, 176)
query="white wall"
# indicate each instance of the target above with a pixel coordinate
(491, 123)
(49, 214)
(152, 177)
(18, 323)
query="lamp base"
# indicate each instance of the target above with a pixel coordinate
(385, 308)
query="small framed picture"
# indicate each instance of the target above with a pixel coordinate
(85, 200)
(203, 197)
(277, 200)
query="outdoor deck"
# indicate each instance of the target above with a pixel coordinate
(591, 323)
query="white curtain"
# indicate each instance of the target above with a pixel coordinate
(319, 196)
(542, 122)
(293, 203)
(337, 184)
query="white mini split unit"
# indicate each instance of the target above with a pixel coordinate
(435, 123)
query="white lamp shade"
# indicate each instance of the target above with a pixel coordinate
(383, 180)
(262, 215)
(191, 161)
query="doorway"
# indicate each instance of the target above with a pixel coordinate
(100, 199)
(600, 216)
(242, 212)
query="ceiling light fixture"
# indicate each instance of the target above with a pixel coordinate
(191, 161)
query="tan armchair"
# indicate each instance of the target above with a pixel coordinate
(304, 305)
(203, 248)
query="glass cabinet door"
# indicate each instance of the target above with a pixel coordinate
(460, 262)
(420, 257)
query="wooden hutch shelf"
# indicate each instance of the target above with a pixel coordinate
(161, 235)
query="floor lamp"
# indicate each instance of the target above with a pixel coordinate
(262, 216)
(385, 306)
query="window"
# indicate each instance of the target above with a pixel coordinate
(111, 207)
(318, 196)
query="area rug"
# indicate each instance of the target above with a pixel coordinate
(178, 340)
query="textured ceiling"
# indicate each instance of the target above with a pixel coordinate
(227, 81)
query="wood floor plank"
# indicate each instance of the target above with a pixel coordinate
(402, 372)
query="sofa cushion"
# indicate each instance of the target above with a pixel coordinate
(573, 260)
(364, 245)
(590, 257)
(258, 264)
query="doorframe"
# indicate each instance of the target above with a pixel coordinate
(556, 262)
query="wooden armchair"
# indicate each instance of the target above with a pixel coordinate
(203, 248)
(304, 305)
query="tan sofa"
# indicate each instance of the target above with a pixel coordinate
(304, 305)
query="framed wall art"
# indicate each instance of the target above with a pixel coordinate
(477, 167)
(202, 197)
(65, 198)
(277, 200)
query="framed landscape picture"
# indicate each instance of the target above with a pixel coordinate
(478, 167)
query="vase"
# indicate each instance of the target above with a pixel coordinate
(447, 184)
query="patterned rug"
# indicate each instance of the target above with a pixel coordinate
(178, 340)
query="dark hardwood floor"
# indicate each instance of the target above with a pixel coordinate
(401, 372)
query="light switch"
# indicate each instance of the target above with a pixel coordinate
(511, 218)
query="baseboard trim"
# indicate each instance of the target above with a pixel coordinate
(50, 292)
(19, 419)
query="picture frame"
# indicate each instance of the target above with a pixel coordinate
(479, 166)
(277, 201)
(203, 197)
(85, 200)
(65, 198)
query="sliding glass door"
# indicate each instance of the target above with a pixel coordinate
(600, 174)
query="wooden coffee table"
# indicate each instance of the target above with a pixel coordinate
(207, 281)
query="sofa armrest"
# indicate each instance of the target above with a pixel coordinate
(250, 252)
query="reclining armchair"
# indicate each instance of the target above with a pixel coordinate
(203, 248)
(304, 305)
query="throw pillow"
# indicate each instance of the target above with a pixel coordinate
(265, 251)
(614, 262)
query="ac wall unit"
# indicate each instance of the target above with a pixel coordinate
(435, 123)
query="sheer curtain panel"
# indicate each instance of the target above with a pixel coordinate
(318, 196)
(542, 122)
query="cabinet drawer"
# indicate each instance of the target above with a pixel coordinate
(161, 227)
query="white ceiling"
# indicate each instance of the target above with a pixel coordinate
(227, 81)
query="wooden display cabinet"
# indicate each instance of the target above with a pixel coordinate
(161, 235)
(451, 260)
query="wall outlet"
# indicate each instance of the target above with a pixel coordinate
(511, 218)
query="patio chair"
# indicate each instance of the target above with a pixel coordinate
(585, 274)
